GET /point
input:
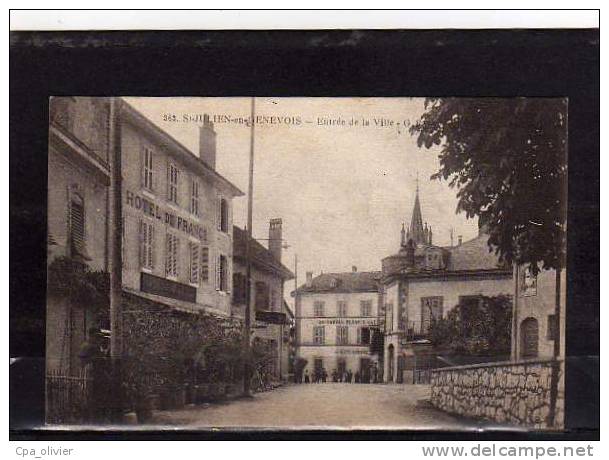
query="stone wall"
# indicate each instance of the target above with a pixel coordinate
(511, 393)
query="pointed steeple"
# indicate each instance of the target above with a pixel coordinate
(416, 224)
(403, 240)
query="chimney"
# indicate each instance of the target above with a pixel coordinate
(275, 241)
(353, 268)
(460, 240)
(309, 279)
(207, 142)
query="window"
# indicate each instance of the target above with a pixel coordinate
(341, 307)
(239, 288)
(318, 308)
(77, 227)
(194, 197)
(171, 258)
(431, 309)
(366, 307)
(528, 283)
(194, 263)
(222, 274)
(147, 169)
(205, 264)
(172, 180)
(363, 336)
(319, 335)
(342, 335)
(552, 327)
(273, 301)
(262, 295)
(222, 217)
(146, 244)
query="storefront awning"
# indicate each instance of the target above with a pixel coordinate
(271, 317)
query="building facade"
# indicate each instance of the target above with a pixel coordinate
(422, 282)
(534, 314)
(177, 240)
(269, 312)
(78, 233)
(336, 316)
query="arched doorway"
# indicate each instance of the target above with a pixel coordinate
(529, 338)
(390, 363)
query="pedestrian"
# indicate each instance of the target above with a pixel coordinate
(306, 376)
(334, 376)
(94, 358)
(356, 376)
(350, 376)
(324, 375)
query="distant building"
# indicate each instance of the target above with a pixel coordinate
(269, 313)
(336, 316)
(77, 209)
(424, 281)
(177, 218)
(534, 314)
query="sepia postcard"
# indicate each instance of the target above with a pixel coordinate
(306, 263)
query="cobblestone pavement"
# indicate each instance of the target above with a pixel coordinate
(329, 405)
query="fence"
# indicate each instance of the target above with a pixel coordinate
(67, 397)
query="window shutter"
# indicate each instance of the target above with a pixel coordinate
(142, 236)
(168, 255)
(359, 335)
(205, 264)
(151, 248)
(228, 276)
(218, 212)
(218, 273)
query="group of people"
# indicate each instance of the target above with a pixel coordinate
(320, 375)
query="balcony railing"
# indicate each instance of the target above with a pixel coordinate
(417, 330)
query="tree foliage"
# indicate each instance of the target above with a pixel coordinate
(482, 329)
(507, 158)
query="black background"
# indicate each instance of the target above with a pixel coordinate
(300, 63)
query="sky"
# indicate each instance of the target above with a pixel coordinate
(342, 188)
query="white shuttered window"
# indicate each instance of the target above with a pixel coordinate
(146, 244)
(172, 250)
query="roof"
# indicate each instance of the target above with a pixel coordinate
(344, 282)
(174, 146)
(262, 258)
(473, 255)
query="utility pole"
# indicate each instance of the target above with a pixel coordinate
(248, 303)
(115, 242)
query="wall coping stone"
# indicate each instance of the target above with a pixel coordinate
(521, 362)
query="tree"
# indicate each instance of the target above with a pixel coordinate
(507, 157)
(482, 329)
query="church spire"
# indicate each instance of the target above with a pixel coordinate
(416, 224)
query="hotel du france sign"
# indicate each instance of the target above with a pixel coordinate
(153, 210)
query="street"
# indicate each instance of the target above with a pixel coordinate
(311, 406)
